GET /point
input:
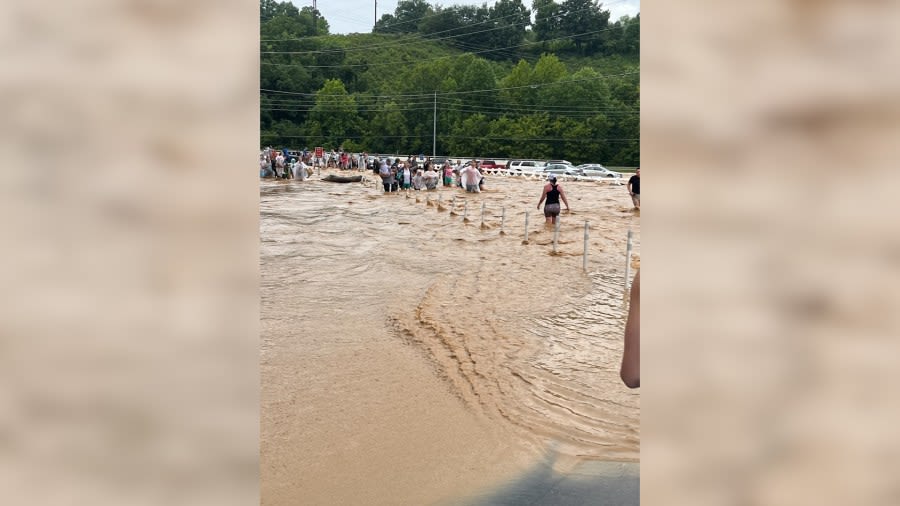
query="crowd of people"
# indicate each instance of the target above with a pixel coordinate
(408, 174)
(416, 173)
(282, 163)
(397, 174)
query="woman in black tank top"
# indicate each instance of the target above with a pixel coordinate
(552, 193)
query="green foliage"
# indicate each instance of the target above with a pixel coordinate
(509, 19)
(406, 17)
(334, 116)
(547, 24)
(580, 19)
(268, 9)
(500, 89)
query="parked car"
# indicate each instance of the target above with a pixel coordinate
(560, 169)
(564, 162)
(596, 170)
(525, 165)
(490, 164)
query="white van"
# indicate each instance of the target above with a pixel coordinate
(525, 166)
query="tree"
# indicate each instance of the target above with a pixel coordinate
(523, 136)
(516, 86)
(377, 92)
(507, 22)
(334, 115)
(582, 91)
(392, 128)
(548, 70)
(469, 136)
(475, 74)
(313, 21)
(283, 28)
(546, 19)
(580, 19)
(406, 17)
(268, 9)
(631, 38)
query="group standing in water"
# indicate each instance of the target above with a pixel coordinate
(399, 174)
(285, 164)
(406, 174)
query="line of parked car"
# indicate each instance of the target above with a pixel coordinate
(562, 168)
(558, 167)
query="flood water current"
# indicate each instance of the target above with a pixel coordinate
(415, 352)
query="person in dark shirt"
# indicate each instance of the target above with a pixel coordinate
(634, 188)
(553, 193)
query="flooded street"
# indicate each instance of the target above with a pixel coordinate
(410, 355)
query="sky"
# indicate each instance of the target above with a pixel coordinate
(349, 16)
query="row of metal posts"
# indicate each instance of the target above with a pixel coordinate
(555, 235)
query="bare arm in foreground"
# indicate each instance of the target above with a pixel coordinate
(631, 358)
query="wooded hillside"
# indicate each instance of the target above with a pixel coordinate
(566, 85)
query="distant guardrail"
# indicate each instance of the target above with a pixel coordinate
(543, 175)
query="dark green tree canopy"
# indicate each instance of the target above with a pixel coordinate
(490, 82)
(406, 17)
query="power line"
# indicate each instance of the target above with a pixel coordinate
(592, 105)
(566, 37)
(416, 37)
(428, 107)
(430, 94)
(410, 37)
(386, 108)
(429, 59)
(451, 29)
(449, 136)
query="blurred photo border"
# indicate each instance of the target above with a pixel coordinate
(130, 136)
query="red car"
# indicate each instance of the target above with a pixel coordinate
(490, 164)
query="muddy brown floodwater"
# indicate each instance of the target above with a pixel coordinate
(412, 355)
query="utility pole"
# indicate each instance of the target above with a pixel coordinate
(434, 130)
(315, 29)
(376, 15)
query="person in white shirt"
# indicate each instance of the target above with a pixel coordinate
(406, 176)
(279, 165)
(431, 178)
(263, 166)
(470, 178)
(299, 170)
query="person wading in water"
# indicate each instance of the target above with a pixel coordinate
(552, 192)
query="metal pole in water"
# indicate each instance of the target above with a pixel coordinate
(585, 258)
(482, 214)
(555, 234)
(434, 131)
(502, 220)
(627, 262)
(466, 210)
(526, 226)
